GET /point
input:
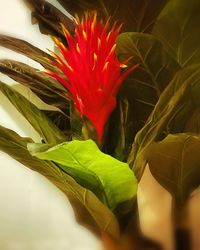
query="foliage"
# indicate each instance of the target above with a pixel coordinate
(157, 116)
(88, 209)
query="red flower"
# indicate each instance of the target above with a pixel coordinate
(93, 73)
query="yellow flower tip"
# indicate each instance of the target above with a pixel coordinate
(59, 44)
(99, 42)
(65, 30)
(92, 26)
(108, 36)
(105, 66)
(94, 21)
(113, 48)
(70, 68)
(84, 34)
(46, 71)
(62, 46)
(51, 52)
(95, 56)
(77, 48)
(122, 65)
(55, 39)
(54, 56)
(95, 16)
(58, 61)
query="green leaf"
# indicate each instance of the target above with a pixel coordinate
(89, 211)
(175, 163)
(49, 18)
(45, 87)
(25, 48)
(174, 109)
(178, 29)
(111, 180)
(142, 88)
(118, 124)
(47, 129)
(136, 15)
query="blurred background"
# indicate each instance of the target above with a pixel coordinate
(34, 214)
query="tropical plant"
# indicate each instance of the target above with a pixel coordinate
(155, 119)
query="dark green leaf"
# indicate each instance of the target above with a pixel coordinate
(136, 15)
(111, 180)
(49, 18)
(175, 163)
(61, 120)
(170, 115)
(46, 88)
(47, 129)
(89, 211)
(178, 29)
(25, 48)
(142, 88)
(118, 124)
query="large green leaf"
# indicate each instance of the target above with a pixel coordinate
(89, 211)
(175, 108)
(45, 127)
(175, 163)
(136, 15)
(111, 180)
(142, 88)
(45, 87)
(178, 29)
(49, 18)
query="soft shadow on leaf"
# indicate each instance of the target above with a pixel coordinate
(45, 87)
(89, 211)
(61, 120)
(111, 180)
(40, 122)
(170, 115)
(136, 15)
(142, 89)
(175, 163)
(178, 28)
(49, 18)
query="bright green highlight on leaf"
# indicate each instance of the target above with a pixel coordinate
(111, 180)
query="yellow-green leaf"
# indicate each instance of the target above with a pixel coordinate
(111, 180)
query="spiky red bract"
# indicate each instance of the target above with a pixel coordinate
(92, 70)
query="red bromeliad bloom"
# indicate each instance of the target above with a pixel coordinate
(93, 73)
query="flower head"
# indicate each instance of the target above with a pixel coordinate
(93, 73)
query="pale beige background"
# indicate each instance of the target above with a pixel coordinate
(34, 215)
